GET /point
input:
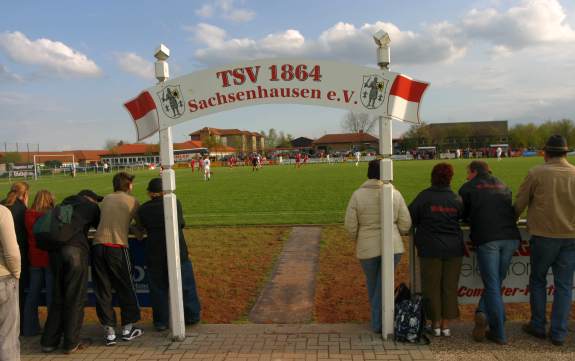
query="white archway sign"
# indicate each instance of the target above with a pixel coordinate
(378, 92)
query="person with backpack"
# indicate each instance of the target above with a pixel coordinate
(435, 213)
(69, 265)
(487, 204)
(363, 224)
(151, 216)
(111, 265)
(40, 273)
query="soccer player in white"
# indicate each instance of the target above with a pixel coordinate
(499, 151)
(357, 158)
(207, 173)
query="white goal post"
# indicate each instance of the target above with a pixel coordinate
(53, 156)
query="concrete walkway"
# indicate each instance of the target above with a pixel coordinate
(310, 342)
(288, 297)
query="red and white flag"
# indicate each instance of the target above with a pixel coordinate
(404, 98)
(143, 110)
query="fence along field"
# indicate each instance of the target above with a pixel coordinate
(313, 194)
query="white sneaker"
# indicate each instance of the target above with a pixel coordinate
(446, 332)
(110, 339)
(436, 332)
(132, 333)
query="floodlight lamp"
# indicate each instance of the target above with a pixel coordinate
(162, 52)
(381, 38)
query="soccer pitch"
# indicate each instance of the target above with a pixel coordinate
(313, 194)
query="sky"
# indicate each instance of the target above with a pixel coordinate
(67, 67)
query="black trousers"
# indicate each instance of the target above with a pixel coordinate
(111, 269)
(66, 313)
(24, 282)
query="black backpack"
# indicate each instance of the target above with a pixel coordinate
(409, 320)
(55, 228)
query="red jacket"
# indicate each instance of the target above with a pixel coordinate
(38, 258)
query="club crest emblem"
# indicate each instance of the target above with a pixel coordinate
(172, 101)
(372, 91)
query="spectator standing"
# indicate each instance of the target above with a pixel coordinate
(69, 266)
(487, 204)
(9, 275)
(40, 273)
(151, 216)
(111, 266)
(363, 223)
(435, 213)
(548, 193)
(17, 202)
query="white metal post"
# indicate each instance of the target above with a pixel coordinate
(177, 321)
(386, 198)
(35, 169)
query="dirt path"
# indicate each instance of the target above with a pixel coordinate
(289, 295)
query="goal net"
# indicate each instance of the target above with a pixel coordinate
(54, 164)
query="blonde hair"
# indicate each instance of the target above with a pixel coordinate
(17, 190)
(43, 201)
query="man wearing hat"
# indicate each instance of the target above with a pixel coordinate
(548, 193)
(69, 266)
(151, 216)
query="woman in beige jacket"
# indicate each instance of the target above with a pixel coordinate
(362, 222)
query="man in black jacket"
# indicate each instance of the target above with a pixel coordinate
(487, 204)
(151, 216)
(70, 271)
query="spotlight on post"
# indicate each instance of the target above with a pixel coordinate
(383, 52)
(161, 66)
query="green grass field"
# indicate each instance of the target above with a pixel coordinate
(314, 194)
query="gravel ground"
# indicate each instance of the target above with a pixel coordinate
(521, 346)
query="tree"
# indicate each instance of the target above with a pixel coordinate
(524, 136)
(416, 136)
(271, 138)
(211, 142)
(283, 140)
(358, 122)
(113, 143)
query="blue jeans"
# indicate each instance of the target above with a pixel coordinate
(39, 276)
(494, 258)
(160, 296)
(559, 254)
(372, 269)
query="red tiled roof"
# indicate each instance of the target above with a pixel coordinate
(190, 144)
(346, 138)
(216, 131)
(63, 156)
(223, 148)
(138, 148)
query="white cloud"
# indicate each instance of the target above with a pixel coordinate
(50, 55)
(240, 15)
(136, 65)
(343, 41)
(10, 98)
(529, 24)
(208, 34)
(227, 10)
(205, 11)
(8, 76)
(532, 22)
